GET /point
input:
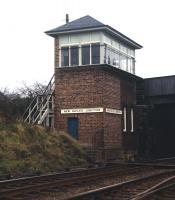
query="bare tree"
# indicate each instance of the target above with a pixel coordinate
(31, 91)
(13, 104)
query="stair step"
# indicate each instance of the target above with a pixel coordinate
(40, 109)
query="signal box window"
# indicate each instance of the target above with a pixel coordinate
(95, 49)
(74, 55)
(85, 54)
(65, 56)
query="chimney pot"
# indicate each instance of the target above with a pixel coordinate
(67, 18)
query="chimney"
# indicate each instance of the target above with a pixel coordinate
(67, 18)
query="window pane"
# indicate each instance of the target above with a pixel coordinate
(95, 50)
(124, 119)
(109, 56)
(129, 65)
(132, 66)
(123, 48)
(132, 120)
(105, 53)
(74, 55)
(132, 53)
(85, 54)
(123, 62)
(127, 69)
(115, 58)
(65, 56)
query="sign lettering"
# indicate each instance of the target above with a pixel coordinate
(81, 110)
(114, 111)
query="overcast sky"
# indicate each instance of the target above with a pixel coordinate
(27, 54)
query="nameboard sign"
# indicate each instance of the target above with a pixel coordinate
(114, 111)
(81, 110)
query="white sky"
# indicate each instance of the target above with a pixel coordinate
(27, 54)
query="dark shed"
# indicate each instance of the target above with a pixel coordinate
(160, 86)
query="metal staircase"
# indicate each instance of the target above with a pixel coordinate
(41, 109)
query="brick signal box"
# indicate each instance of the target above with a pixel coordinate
(95, 87)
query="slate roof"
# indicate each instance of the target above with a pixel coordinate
(87, 23)
(81, 23)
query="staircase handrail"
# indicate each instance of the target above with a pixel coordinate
(43, 108)
(33, 100)
(44, 94)
(50, 83)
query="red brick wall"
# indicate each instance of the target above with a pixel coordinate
(111, 99)
(80, 88)
(90, 87)
(56, 52)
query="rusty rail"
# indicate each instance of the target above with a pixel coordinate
(125, 190)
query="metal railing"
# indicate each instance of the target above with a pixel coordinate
(41, 107)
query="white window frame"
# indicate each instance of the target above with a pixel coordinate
(79, 50)
(60, 60)
(132, 120)
(90, 61)
(69, 57)
(124, 119)
(80, 53)
(102, 45)
(120, 53)
(84, 44)
(102, 53)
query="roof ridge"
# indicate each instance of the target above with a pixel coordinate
(91, 24)
(83, 22)
(78, 19)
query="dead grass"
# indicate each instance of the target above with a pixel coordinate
(27, 149)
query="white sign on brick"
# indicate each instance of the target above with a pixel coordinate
(114, 111)
(81, 110)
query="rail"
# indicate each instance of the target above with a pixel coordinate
(41, 106)
(124, 190)
(160, 191)
(21, 188)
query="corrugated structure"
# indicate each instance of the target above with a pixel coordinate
(160, 86)
(156, 114)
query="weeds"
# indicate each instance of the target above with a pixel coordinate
(27, 149)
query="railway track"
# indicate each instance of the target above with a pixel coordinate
(168, 160)
(164, 191)
(57, 176)
(66, 184)
(69, 184)
(11, 188)
(132, 189)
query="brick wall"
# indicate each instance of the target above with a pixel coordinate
(91, 87)
(111, 99)
(80, 88)
(128, 99)
(56, 52)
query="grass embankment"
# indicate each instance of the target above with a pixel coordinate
(27, 150)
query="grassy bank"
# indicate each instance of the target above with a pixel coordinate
(28, 150)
